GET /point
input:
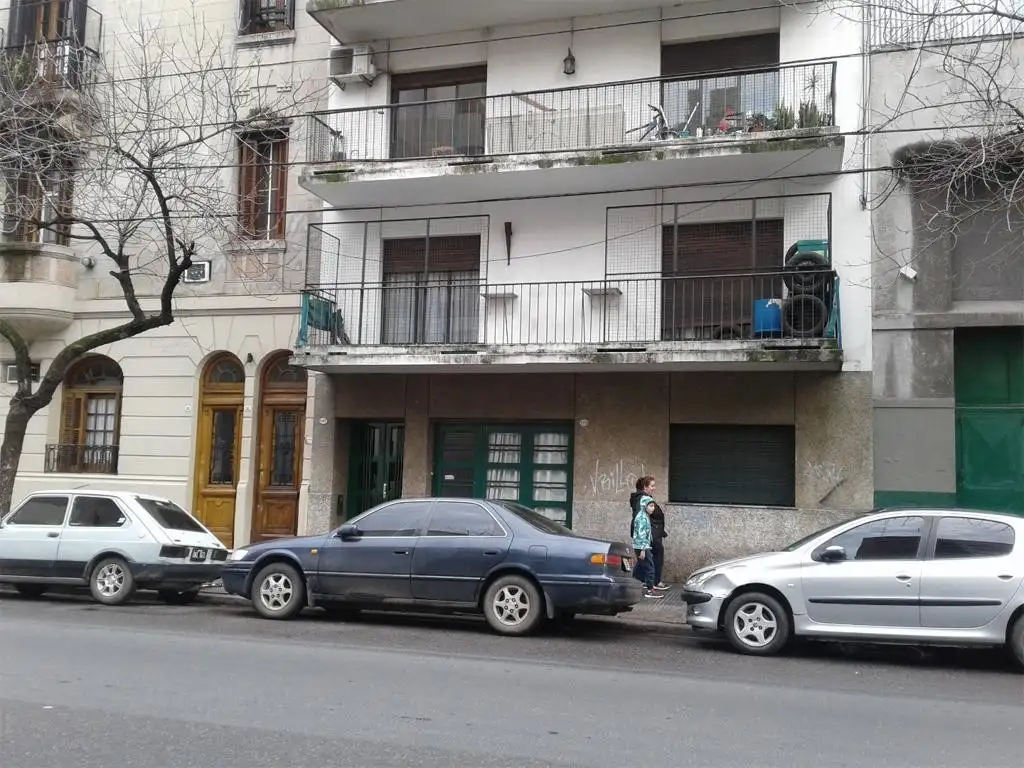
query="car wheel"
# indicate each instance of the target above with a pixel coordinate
(30, 590)
(111, 581)
(1016, 643)
(174, 597)
(757, 624)
(278, 592)
(513, 605)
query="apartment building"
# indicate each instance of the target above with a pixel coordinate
(207, 411)
(560, 249)
(948, 282)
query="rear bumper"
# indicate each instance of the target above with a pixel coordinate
(600, 598)
(234, 576)
(179, 576)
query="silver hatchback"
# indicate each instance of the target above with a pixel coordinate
(922, 577)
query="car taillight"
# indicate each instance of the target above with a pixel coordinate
(614, 561)
(171, 551)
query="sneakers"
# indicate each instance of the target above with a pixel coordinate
(652, 594)
(661, 587)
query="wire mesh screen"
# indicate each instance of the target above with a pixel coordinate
(715, 261)
(410, 281)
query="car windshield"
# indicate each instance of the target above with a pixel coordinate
(170, 515)
(535, 519)
(800, 542)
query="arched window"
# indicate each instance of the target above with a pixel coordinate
(90, 418)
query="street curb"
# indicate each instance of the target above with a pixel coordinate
(223, 598)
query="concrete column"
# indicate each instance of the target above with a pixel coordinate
(417, 470)
(323, 481)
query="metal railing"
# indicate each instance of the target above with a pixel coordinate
(571, 119)
(82, 459)
(783, 303)
(50, 43)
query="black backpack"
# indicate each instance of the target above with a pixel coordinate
(634, 507)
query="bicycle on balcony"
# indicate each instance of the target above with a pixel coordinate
(657, 129)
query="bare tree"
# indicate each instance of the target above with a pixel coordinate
(126, 158)
(951, 123)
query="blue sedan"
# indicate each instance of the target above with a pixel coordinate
(451, 555)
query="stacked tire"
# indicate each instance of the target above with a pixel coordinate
(805, 312)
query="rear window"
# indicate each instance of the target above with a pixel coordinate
(170, 515)
(535, 519)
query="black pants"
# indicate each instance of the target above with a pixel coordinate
(658, 550)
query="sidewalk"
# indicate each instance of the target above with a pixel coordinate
(669, 611)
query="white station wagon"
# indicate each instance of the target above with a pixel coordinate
(114, 542)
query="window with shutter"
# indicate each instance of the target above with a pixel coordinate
(259, 16)
(35, 203)
(262, 185)
(732, 464)
(90, 422)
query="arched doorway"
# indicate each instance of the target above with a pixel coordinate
(90, 418)
(218, 437)
(279, 435)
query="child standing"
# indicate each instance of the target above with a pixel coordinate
(643, 539)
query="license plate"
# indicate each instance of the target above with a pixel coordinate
(627, 564)
(197, 556)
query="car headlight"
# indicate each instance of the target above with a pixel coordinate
(698, 581)
(238, 554)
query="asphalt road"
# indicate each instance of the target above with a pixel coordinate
(214, 687)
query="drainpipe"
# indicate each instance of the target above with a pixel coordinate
(865, 155)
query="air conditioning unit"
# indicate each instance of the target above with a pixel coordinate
(199, 272)
(352, 64)
(11, 372)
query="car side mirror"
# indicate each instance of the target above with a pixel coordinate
(348, 532)
(833, 554)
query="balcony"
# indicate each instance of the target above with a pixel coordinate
(37, 286)
(359, 20)
(81, 459)
(710, 322)
(720, 126)
(49, 47)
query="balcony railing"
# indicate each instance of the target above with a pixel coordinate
(784, 303)
(624, 113)
(82, 459)
(49, 44)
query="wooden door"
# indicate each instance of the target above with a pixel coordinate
(218, 438)
(280, 432)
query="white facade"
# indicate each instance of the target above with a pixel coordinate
(245, 308)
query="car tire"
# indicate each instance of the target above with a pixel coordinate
(278, 591)
(757, 624)
(1015, 642)
(31, 591)
(513, 605)
(111, 581)
(176, 597)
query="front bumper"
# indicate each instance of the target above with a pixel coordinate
(234, 577)
(599, 599)
(702, 609)
(160, 575)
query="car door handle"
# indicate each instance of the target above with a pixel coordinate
(52, 535)
(1005, 576)
(491, 552)
(902, 578)
(401, 551)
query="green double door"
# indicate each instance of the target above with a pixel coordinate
(989, 375)
(526, 463)
(377, 452)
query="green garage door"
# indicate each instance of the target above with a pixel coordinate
(527, 463)
(989, 372)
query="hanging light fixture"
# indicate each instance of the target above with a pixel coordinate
(569, 62)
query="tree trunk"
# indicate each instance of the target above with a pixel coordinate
(10, 451)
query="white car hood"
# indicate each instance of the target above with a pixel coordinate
(735, 561)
